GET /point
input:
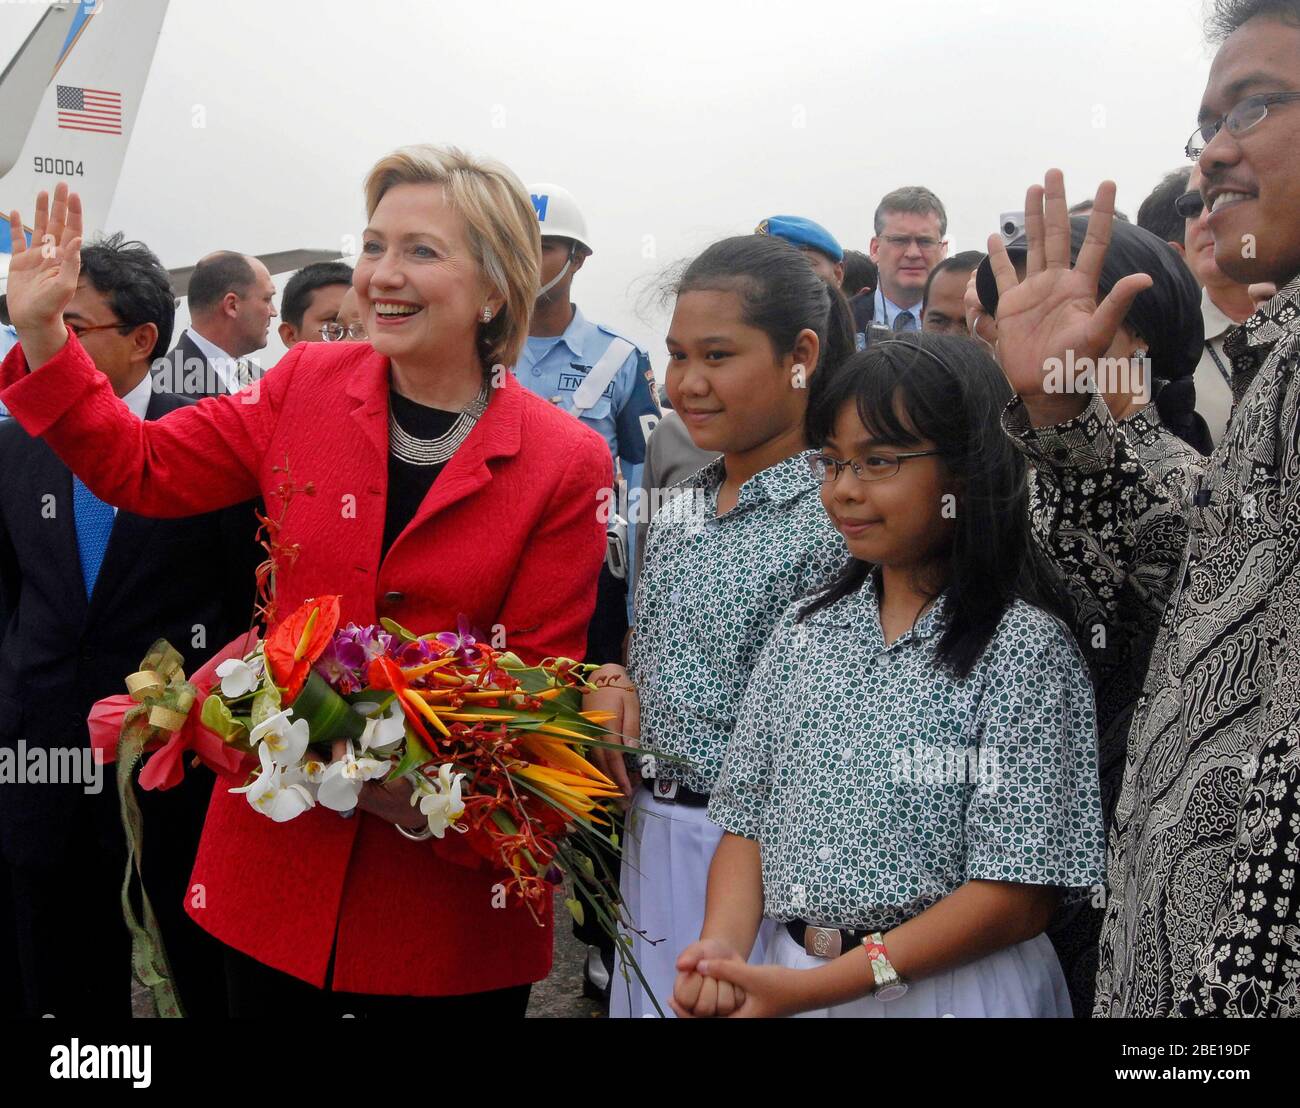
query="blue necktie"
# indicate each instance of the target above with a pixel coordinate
(94, 526)
(905, 321)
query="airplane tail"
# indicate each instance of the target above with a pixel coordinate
(71, 95)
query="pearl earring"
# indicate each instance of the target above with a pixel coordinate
(487, 315)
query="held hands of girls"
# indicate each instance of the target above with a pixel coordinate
(696, 996)
(43, 276)
(1054, 310)
(714, 980)
(615, 693)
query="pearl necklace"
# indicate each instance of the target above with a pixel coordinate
(433, 452)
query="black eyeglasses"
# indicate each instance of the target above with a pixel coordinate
(874, 467)
(1250, 113)
(1190, 205)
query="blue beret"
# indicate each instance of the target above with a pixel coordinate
(802, 232)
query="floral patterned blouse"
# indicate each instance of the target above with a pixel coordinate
(709, 593)
(876, 783)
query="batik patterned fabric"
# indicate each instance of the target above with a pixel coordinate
(1202, 859)
(877, 783)
(709, 594)
(1115, 615)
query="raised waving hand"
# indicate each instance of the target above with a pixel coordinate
(1054, 311)
(43, 276)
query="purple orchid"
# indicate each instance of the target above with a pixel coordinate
(416, 653)
(345, 660)
(463, 642)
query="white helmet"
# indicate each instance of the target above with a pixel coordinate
(558, 214)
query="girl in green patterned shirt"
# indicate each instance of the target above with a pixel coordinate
(912, 783)
(753, 334)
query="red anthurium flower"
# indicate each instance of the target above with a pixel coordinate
(295, 644)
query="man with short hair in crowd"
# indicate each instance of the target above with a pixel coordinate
(860, 280)
(350, 328)
(942, 307)
(910, 225)
(860, 274)
(231, 302)
(1225, 305)
(309, 307)
(1084, 207)
(86, 589)
(1159, 214)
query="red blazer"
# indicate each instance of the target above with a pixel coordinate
(509, 534)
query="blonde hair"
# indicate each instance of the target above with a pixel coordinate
(501, 227)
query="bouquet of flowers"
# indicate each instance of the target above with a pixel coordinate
(492, 747)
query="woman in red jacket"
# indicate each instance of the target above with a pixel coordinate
(439, 486)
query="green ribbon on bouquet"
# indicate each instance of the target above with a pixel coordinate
(165, 700)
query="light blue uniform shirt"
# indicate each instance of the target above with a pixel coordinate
(887, 312)
(626, 411)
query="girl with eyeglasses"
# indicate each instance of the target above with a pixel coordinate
(912, 784)
(754, 333)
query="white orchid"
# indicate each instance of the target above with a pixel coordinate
(277, 792)
(238, 677)
(286, 741)
(383, 732)
(340, 783)
(440, 800)
(313, 772)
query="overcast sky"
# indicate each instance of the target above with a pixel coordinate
(673, 123)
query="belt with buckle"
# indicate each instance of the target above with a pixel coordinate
(824, 942)
(672, 793)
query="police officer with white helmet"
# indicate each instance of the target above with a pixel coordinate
(593, 373)
(605, 380)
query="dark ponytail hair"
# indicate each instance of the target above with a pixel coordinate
(780, 294)
(1176, 402)
(946, 390)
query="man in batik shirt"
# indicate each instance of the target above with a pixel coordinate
(1205, 852)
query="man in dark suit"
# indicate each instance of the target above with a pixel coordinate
(232, 302)
(84, 591)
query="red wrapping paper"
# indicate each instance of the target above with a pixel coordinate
(165, 766)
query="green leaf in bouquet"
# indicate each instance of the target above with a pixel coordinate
(414, 755)
(575, 910)
(328, 715)
(395, 628)
(216, 716)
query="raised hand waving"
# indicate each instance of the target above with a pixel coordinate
(1054, 312)
(43, 276)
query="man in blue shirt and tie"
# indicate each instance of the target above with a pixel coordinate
(909, 242)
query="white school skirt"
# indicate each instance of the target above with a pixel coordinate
(1024, 981)
(667, 849)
